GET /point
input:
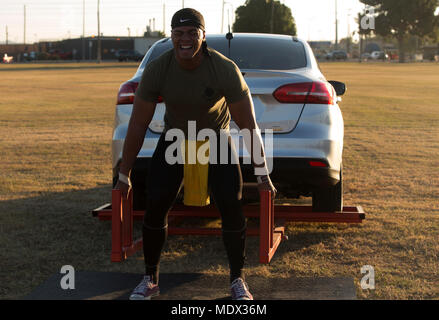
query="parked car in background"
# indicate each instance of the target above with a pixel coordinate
(126, 55)
(337, 55)
(291, 97)
(365, 56)
(29, 56)
(57, 54)
(320, 54)
(379, 55)
(393, 55)
(7, 59)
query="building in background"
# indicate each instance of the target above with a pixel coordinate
(19, 52)
(78, 48)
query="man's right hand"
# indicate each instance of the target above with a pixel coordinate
(124, 188)
(266, 185)
(141, 116)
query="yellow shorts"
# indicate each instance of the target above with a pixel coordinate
(196, 172)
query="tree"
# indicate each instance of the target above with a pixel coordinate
(402, 19)
(264, 16)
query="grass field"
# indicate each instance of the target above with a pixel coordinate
(55, 129)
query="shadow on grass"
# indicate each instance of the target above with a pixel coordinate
(46, 232)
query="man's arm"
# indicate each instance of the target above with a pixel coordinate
(141, 116)
(243, 114)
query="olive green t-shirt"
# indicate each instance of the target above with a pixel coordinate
(200, 95)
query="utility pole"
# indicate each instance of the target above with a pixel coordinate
(182, 3)
(272, 17)
(349, 23)
(348, 43)
(24, 29)
(164, 19)
(336, 26)
(83, 29)
(7, 35)
(99, 37)
(222, 18)
(361, 38)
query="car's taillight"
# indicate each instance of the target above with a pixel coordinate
(127, 92)
(306, 92)
(317, 164)
(321, 93)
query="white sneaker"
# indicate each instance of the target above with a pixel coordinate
(145, 290)
(240, 290)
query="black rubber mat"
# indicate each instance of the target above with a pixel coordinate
(184, 286)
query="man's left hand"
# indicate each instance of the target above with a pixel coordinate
(265, 184)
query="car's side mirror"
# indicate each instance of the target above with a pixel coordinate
(339, 87)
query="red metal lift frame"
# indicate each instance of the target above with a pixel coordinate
(121, 214)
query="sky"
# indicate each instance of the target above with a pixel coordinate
(63, 19)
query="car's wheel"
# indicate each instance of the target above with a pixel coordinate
(329, 199)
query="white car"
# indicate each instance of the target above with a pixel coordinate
(291, 97)
(379, 55)
(7, 59)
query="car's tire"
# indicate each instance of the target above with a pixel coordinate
(329, 199)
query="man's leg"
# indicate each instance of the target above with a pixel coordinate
(163, 184)
(225, 181)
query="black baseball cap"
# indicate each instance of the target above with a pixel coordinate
(187, 17)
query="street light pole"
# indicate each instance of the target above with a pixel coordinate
(348, 45)
(336, 26)
(164, 16)
(272, 17)
(222, 18)
(228, 15)
(83, 29)
(99, 37)
(24, 29)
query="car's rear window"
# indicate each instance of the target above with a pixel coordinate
(252, 52)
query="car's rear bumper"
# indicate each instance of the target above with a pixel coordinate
(288, 173)
(296, 173)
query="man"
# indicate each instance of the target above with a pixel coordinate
(197, 84)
